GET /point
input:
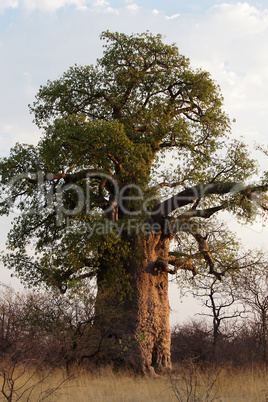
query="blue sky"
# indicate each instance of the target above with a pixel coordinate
(40, 39)
(169, 6)
(182, 6)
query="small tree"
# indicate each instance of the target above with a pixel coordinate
(220, 297)
(253, 293)
(222, 303)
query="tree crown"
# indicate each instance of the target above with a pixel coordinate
(115, 125)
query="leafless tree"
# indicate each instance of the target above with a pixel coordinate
(220, 300)
(253, 291)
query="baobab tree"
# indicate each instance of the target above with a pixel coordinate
(92, 196)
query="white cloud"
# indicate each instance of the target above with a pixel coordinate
(4, 4)
(104, 6)
(101, 3)
(243, 17)
(172, 17)
(112, 10)
(52, 5)
(133, 7)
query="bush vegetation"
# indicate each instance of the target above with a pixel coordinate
(48, 351)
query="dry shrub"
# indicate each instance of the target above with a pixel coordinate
(194, 341)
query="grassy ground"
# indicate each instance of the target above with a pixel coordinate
(188, 383)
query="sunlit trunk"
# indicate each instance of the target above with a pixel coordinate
(141, 327)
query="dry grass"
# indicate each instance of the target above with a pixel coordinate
(249, 385)
(117, 388)
(188, 384)
(225, 384)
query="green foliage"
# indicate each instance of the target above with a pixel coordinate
(140, 105)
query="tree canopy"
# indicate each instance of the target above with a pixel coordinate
(139, 142)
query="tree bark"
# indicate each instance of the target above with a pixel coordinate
(141, 329)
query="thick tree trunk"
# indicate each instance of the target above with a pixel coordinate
(141, 324)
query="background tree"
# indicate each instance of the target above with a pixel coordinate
(253, 293)
(219, 297)
(239, 301)
(222, 305)
(91, 194)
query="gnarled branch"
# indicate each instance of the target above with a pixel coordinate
(190, 195)
(204, 250)
(177, 263)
